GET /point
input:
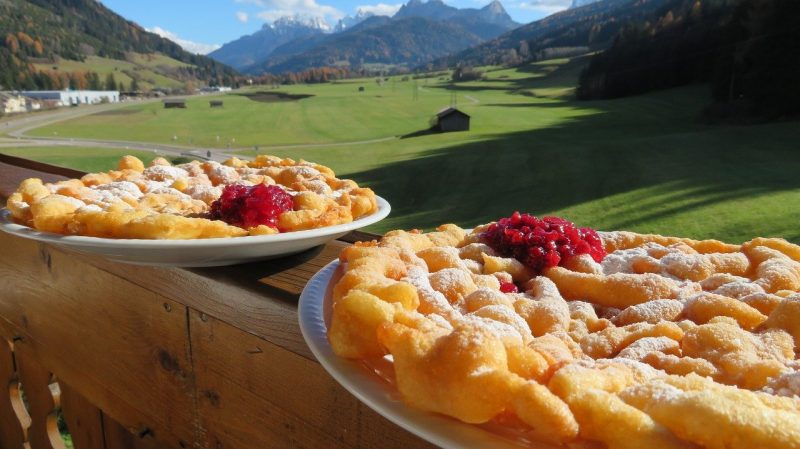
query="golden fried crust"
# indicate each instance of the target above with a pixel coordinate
(131, 163)
(786, 316)
(789, 249)
(653, 347)
(616, 290)
(740, 418)
(706, 306)
(185, 191)
(613, 241)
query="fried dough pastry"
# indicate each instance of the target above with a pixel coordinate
(665, 343)
(172, 202)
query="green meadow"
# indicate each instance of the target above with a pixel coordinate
(145, 67)
(645, 163)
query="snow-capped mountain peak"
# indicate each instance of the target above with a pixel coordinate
(298, 20)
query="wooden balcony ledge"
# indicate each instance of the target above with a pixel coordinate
(165, 357)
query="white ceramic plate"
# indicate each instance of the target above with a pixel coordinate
(314, 310)
(197, 252)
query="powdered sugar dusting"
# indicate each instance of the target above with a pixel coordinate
(640, 348)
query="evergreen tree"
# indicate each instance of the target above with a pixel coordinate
(93, 81)
(111, 83)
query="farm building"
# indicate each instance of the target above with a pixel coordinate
(74, 97)
(215, 103)
(11, 103)
(169, 104)
(450, 119)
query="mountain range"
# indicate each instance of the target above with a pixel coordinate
(578, 30)
(418, 33)
(38, 35)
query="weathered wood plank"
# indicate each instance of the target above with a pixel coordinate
(252, 392)
(84, 420)
(237, 295)
(14, 419)
(42, 401)
(108, 335)
(117, 436)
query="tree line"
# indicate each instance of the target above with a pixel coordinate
(310, 76)
(45, 30)
(748, 50)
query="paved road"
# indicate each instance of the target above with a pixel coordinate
(16, 129)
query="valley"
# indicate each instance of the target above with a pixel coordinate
(644, 163)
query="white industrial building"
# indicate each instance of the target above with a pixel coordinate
(74, 97)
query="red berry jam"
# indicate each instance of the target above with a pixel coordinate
(508, 287)
(250, 206)
(542, 242)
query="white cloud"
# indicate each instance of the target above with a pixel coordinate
(545, 6)
(242, 16)
(275, 9)
(194, 47)
(381, 9)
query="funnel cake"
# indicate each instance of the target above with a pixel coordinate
(190, 201)
(658, 342)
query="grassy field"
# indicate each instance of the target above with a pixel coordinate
(144, 67)
(643, 163)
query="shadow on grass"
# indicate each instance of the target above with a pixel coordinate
(584, 160)
(420, 133)
(551, 76)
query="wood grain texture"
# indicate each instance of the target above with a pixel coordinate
(84, 420)
(43, 398)
(116, 436)
(286, 399)
(124, 347)
(14, 418)
(239, 295)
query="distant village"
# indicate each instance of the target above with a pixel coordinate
(18, 102)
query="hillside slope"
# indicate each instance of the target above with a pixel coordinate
(412, 40)
(46, 31)
(417, 34)
(585, 28)
(254, 48)
(749, 51)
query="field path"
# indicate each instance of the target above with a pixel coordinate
(15, 129)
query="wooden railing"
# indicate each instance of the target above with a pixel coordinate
(144, 357)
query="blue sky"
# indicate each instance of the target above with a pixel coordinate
(203, 25)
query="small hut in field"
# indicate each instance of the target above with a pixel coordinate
(450, 119)
(170, 104)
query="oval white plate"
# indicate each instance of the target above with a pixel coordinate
(314, 311)
(197, 252)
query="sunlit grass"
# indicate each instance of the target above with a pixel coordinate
(644, 163)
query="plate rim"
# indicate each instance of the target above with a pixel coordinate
(9, 226)
(437, 429)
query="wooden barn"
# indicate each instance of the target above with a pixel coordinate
(215, 103)
(450, 119)
(169, 104)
